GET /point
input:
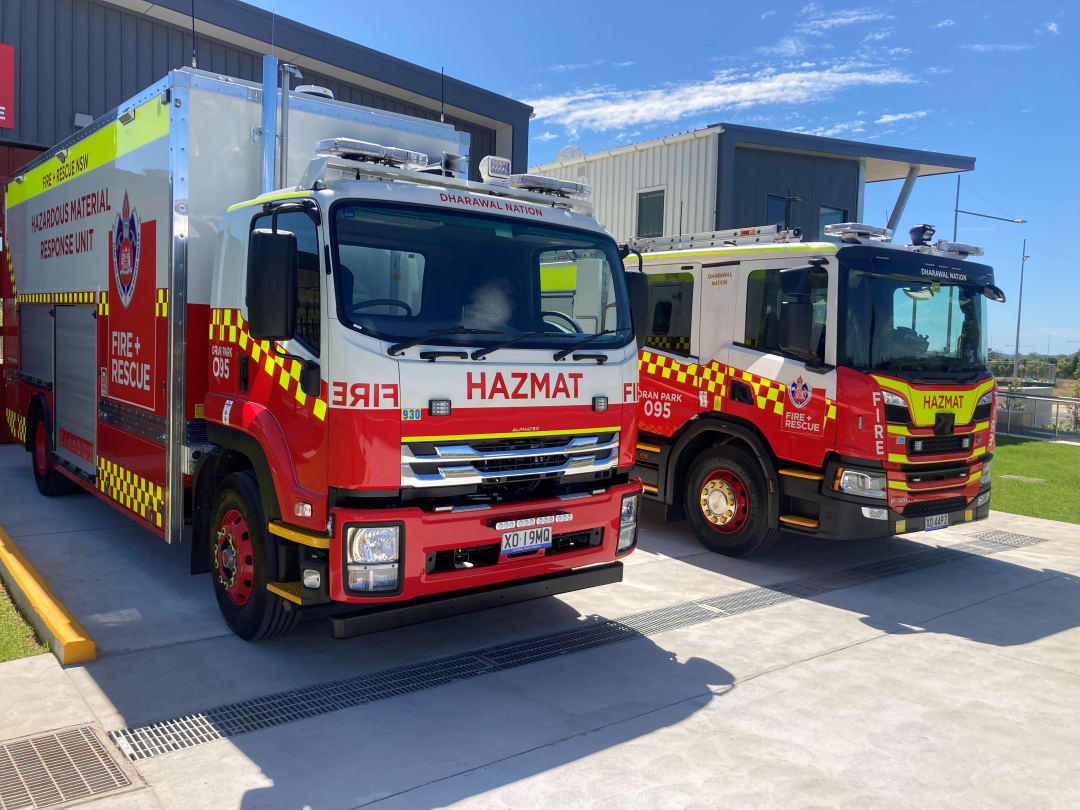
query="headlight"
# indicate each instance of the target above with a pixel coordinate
(889, 398)
(373, 544)
(866, 484)
(985, 398)
(982, 500)
(627, 523)
(985, 477)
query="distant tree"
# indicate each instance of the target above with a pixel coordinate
(1012, 402)
(1074, 409)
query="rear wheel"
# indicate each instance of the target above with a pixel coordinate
(243, 560)
(726, 503)
(48, 479)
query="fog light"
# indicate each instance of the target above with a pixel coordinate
(982, 500)
(985, 477)
(372, 544)
(302, 509)
(311, 578)
(438, 407)
(627, 523)
(965, 442)
(372, 578)
(917, 445)
(866, 484)
(627, 535)
(875, 512)
(599, 403)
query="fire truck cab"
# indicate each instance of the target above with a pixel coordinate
(836, 389)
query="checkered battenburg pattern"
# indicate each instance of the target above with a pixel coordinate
(713, 377)
(227, 326)
(16, 423)
(671, 343)
(141, 496)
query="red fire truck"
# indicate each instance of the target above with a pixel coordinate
(835, 389)
(376, 383)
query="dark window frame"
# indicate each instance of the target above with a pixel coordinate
(646, 194)
(302, 339)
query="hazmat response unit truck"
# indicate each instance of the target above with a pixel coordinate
(833, 389)
(290, 330)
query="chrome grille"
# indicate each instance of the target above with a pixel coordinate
(432, 464)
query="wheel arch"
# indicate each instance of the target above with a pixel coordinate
(713, 431)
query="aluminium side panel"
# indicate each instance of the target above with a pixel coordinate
(75, 392)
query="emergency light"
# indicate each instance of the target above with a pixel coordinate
(353, 149)
(854, 231)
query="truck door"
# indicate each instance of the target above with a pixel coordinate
(74, 391)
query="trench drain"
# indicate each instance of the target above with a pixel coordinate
(50, 769)
(232, 719)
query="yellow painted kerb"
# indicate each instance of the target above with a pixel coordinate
(73, 642)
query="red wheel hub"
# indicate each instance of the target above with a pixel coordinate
(41, 450)
(725, 502)
(234, 559)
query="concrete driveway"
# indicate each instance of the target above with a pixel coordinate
(885, 673)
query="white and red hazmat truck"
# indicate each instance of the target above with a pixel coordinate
(834, 389)
(357, 382)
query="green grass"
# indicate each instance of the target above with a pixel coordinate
(17, 639)
(1056, 498)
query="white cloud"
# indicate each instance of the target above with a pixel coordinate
(789, 47)
(1052, 27)
(891, 118)
(938, 71)
(766, 14)
(544, 137)
(603, 108)
(565, 68)
(622, 64)
(945, 24)
(992, 47)
(899, 51)
(820, 22)
(877, 36)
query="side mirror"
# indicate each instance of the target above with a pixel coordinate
(994, 293)
(637, 284)
(272, 285)
(796, 327)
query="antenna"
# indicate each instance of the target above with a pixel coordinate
(442, 95)
(193, 60)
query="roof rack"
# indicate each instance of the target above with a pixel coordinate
(773, 234)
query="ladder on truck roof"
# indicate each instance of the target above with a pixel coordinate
(724, 238)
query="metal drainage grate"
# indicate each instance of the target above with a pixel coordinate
(285, 707)
(54, 768)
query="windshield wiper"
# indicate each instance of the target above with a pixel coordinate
(561, 355)
(399, 348)
(516, 338)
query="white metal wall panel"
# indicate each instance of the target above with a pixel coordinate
(685, 168)
(36, 341)
(74, 392)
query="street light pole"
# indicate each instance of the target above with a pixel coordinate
(957, 211)
(1019, 305)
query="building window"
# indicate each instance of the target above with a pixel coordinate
(671, 305)
(308, 275)
(764, 298)
(775, 210)
(650, 213)
(827, 215)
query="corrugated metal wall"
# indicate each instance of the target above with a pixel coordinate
(80, 56)
(685, 168)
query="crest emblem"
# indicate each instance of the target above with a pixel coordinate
(799, 393)
(125, 249)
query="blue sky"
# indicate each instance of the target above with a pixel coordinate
(992, 79)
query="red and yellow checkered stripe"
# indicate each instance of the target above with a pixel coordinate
(103, 303)
(227, 326)
(671, 343)
(11, 270)
(161, 306)
(140, 495)
(59, 298)
(16, 423)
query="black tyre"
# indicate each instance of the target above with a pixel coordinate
(243, 560)
(49, 480)
(727, 503)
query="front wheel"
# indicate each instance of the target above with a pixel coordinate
(727, 503)
(243, 560)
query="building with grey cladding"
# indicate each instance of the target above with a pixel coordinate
(77, 59)
(733, 176)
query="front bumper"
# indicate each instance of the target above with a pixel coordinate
(427, 538)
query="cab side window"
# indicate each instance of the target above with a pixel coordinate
(764, 297)
(671, 305)
(309, 275)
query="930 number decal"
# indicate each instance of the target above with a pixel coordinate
(410, 414)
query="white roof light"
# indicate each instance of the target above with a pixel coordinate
(549, 185)
(495, 169)
(958, 248)
(853, 231)
(372, 152)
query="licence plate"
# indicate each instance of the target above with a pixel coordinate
(936, 522)
(526, 539)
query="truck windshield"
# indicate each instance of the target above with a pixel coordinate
(404, 273)
(901, 324)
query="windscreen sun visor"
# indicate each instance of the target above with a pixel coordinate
(920, 267)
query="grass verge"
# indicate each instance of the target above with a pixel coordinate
(17, 639)
(1057, 497)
